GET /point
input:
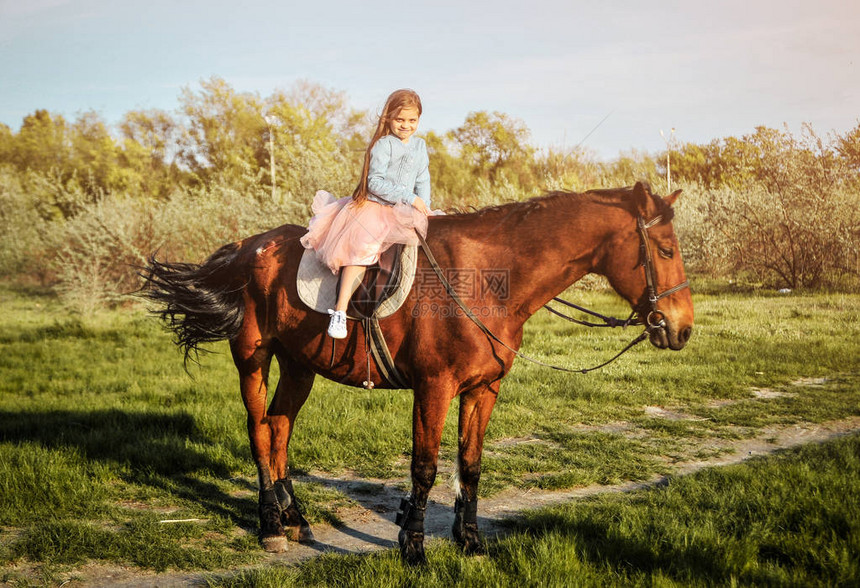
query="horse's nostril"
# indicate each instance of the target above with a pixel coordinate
(684, 335)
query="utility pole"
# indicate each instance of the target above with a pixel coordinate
(669, 142)
(270, 120)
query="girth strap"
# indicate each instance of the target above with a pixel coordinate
(380, 352)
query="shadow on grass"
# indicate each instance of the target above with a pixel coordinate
(381, 501)
(600, 544)
(29, 289)
(145, 448)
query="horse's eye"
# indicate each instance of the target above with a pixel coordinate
(666, 253)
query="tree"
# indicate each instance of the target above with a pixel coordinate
(225, 136)
(570, 169)
(492, 143)
(42, 153)
(150, 147)
(94, 156)
(348, 124)
(452, 179)
(42, 144)
(848, 147)
(317, 139)
(7, 144)
(630, 168)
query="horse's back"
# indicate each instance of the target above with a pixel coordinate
(279, 235)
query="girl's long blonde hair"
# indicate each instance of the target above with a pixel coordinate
(398, 100)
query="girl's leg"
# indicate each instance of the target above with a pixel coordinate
(350, 278)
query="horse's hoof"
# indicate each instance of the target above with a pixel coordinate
(295, 525)
(473, 548)
(301, 533)
(412, 547)
(271, 531)
(274, 543)
(468, 539)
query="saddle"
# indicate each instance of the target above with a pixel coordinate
(382, 291)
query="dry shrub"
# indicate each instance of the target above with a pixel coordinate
(97, 254)
(793, 238)
(21, 227)
(788, 214)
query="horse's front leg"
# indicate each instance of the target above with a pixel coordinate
(431, 403)
(476, 405)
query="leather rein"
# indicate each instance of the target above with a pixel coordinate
(655, 320)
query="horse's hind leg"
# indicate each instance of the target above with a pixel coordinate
(252, 359)
(269, 433)
(293, 389)
(476, 405)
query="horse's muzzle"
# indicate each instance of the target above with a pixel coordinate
(663, 337)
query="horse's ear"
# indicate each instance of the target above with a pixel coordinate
(670, 199)
(642, 197)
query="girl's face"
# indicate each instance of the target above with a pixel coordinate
(404, 123)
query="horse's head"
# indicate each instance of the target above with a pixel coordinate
(643, 263)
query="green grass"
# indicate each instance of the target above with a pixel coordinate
(102, 433)
(779, 521)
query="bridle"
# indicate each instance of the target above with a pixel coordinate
(653, 321)
(655, 318)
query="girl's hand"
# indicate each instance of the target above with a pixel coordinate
(420, 205)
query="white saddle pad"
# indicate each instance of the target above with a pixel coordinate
(317, 286)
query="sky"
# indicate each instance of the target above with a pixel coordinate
(608, 76)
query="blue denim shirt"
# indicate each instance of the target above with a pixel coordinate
(398, 172)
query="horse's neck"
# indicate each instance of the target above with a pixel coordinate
(558, 244)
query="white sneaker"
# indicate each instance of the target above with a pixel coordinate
(337, 324)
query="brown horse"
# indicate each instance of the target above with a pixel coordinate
(517, 256)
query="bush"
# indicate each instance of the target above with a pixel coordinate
(97, 254)
(22, 229)
(794, 222)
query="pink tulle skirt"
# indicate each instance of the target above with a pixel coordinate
(345, 233)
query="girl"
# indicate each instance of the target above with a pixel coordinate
(390, 203)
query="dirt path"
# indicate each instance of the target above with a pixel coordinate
(369, 524)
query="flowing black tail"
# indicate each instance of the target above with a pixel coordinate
(201, 303)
